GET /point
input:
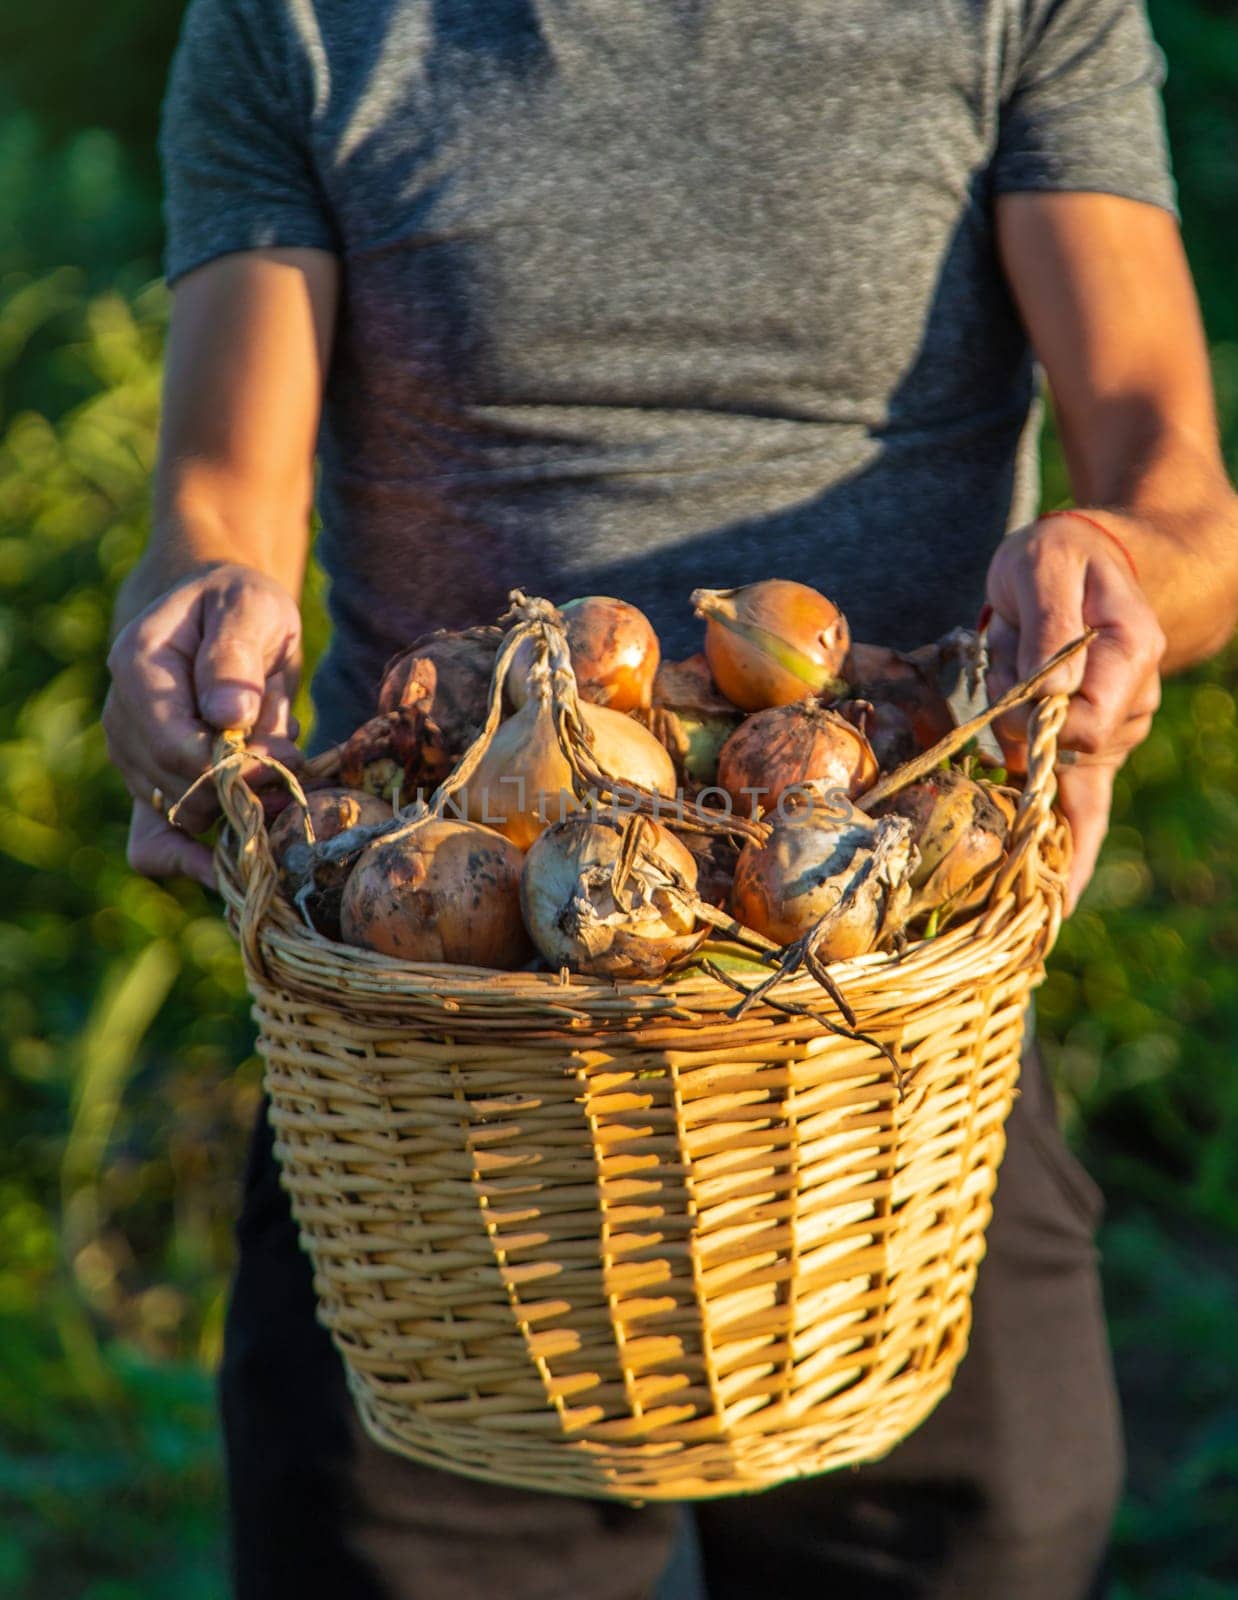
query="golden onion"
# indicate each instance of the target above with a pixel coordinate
(524, 781)
(614, 652)
(794, 747)
(771, 643)
(442, 891)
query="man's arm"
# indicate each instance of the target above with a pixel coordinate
(1106, 295)
(207, 625)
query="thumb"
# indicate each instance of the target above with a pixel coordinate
(246, 638)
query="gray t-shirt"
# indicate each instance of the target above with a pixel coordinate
(638, 297)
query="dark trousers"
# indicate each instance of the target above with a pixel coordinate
(1005, 1493)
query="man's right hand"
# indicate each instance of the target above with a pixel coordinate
(221, 649)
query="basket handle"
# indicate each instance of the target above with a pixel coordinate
(243, 812)
(1034, 816)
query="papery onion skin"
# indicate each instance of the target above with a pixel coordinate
(444, 892)
(688, 685)
(614, 651)
(572, 915)
(446, 675)
(772, 643)
(790, 747)
(332, 811)
(876, 663)
(524, 781)
(846, 879)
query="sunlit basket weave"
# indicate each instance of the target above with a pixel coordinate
(604, 1240)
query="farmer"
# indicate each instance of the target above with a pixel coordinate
(584, 296)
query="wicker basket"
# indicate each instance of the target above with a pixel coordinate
(602, 1239)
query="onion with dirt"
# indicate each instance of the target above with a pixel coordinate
(397, 755)
(896, 701)
(438, 891)
(960, 827)
(830, 870)
(799, 747)
(331, 812)
(446, 676)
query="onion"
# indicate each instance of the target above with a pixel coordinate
(524, 780)
(876, 663)
(399, 750)
(690, 716)
(442, 891)
(794, 746)
(614, 653)
(833, 870)
(960, 828)
(611, 899)
(446, 675)
(886, 727)
(688, 686)
(772, 643)
(908, 685)
(332, 812)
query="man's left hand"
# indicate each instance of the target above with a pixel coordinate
(1047, 584)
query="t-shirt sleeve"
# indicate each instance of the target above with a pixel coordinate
(1084, 110)
(238, 173)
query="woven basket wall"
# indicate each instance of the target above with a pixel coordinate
(602, 1239)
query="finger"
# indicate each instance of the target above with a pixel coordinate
(151, 711)
(246, 639)
(1002, 646)
(1041, 599)
(1131, 732)
(275, 725)
(158, 850)
(1122, 667)
(1117, 675)
(132, 751)
(275, 718)
(1085, 795)
(271, 735)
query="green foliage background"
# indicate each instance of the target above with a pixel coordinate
(129, 1078)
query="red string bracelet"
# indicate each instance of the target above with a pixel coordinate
(1092, 522)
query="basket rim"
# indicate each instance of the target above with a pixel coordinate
(1019, 920)
(974, 949)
